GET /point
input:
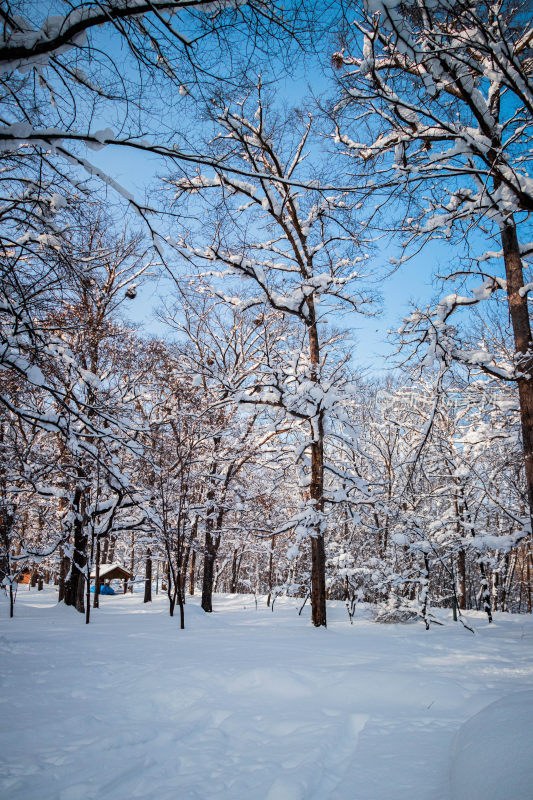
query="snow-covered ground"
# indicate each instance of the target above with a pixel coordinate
(246, 704)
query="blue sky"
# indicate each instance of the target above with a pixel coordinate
(411, 283)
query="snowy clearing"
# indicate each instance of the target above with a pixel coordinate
(246, 703)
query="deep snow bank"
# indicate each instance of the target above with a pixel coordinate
(492, 753)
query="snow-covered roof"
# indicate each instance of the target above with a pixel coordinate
(106, 569)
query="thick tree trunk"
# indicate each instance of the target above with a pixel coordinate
(88, 580)
(6, 524)
(461, 589)
(75, 585)
(181, 604)
(192, 573)
(424, 591)
(316, 487)
(171, 599)
(132, 563)
(318, 581)
(318, 552)
(212, 543)
(105, 551)
(518, 310)
(75, 589)
(271, 569)
(184, 570)
(235, 569)
(96, 601)
(461, 556)
(148, 577)
(209, 573)
(485, 590)
(528, 579)
(64, 567)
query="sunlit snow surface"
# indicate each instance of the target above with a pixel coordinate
(246, 704)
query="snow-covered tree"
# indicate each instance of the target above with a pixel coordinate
(296, 248)
(445, 91)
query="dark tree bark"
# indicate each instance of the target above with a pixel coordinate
(75, 585)
(485, 589)
(11, 601)
(316, 489)
(132, 567)
(519, 313)
(75, 590)
(6, 524)
(192, 573)
(64, 569)
(210, 553)
(212, 542)
(529, 560)
(461, 589)
(235, 569)
(271, 569)
(148, 577)
(96, 601)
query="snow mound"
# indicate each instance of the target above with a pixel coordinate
(478, 770)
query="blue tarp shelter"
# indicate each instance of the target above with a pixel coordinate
(104, 589)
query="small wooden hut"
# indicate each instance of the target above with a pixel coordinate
(112, 572)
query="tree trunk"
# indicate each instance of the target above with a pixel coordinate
(235, 569)
(105, 551)
(181, 604)
(318, 581)
(75, 585)
(518, 310)
(132, 568)
(64, 568)
(89, 564)
(96, 601)
(171, 599)
(316, 487)
(318, 551)
(209, 573)
(271, 569)
(110, 554)
(212, 543)
(461, 567)
(485, 590)
(148, 577)
(192, 573)
(424, 591)
(184, 568)
(528, 579)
